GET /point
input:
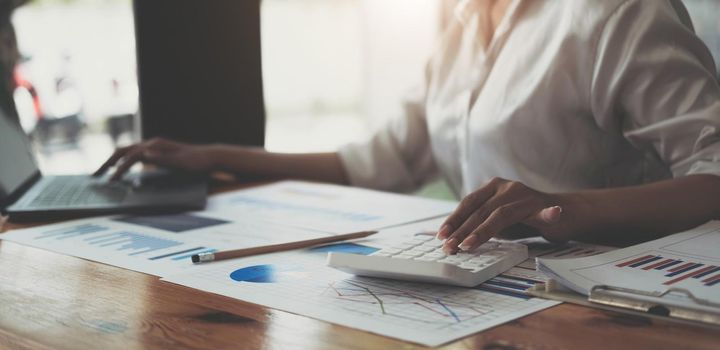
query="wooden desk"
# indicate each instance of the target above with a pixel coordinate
(48, 300)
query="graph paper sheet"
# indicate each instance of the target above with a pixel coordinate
(689, 260)
(422, 313)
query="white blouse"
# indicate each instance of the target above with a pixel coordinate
(567, 95)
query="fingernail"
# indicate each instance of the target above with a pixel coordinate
(553, 215)
(450, 244)
(468, 243)
(443, 232)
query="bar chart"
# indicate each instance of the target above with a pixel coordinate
(134, 243)
(125, 244)
(675, 270)
(100, 236)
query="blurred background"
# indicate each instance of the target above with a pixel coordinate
(334, 69)
(331, 68)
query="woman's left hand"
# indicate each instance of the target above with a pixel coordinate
(499, 205)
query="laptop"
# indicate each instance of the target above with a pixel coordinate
(25, 194)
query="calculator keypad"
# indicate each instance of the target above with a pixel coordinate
(430, 249)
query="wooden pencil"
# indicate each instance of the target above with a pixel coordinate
(239, 253)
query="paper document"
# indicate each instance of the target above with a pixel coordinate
(158, 245)
(299, 282)
(329, 208)
(689, 260)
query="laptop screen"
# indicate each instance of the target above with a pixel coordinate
(17, 164)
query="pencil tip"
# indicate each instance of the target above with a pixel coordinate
(195, 258)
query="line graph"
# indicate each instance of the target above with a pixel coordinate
(429, 314)
(373, 296)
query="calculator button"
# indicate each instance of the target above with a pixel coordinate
(425, 258)
(381, 253)
(404, 246)
(413, 253)
(390, 251)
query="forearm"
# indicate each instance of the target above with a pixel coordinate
(650, 210)
(324, 167)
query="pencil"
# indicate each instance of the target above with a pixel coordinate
(239, 253)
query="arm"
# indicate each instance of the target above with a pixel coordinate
(651, 210)
(324, 167)
(236, 159)
(638, 212)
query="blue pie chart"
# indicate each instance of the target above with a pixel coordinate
(267, 273)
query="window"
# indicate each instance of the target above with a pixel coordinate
(335, 68)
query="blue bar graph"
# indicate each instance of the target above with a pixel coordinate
(73, 231)
(134, 242)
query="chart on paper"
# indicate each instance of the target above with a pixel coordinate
(689, 260)
(422, 313)
(160, 245)
(394, 301)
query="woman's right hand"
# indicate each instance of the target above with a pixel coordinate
(162, 152)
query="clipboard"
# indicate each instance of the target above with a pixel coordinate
(674, 304)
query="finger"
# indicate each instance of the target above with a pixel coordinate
(129, 160)
(470, 224)
(500, 219)
(546, 216)
(549, 215)
(467, 206)
(119, 153)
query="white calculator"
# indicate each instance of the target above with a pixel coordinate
(421, 259)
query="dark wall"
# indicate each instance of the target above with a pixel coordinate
(199, 70)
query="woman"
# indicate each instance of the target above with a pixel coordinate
(577, 118)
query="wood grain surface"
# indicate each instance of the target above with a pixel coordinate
(52, 301)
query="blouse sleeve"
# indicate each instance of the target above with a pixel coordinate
(397, 157)
(653, 80)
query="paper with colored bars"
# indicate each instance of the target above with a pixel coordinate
(428, 314)
(159, 245)
(689, 260)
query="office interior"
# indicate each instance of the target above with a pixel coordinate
(315, 74)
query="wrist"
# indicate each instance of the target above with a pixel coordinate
(581, 214)
(214, 154)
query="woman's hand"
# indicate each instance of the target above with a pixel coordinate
(162, 152)
(498, 206)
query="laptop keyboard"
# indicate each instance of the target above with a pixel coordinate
(76, 191)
